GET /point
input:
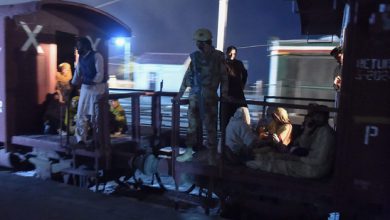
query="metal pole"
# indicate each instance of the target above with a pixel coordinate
(126, 58)
(222, 23)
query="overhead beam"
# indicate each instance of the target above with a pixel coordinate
(107, 3)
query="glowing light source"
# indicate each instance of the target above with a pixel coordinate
(120, 41)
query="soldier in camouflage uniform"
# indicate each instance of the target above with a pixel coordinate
(118, 121)
(206, 72)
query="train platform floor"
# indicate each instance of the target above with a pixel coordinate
(35, 199)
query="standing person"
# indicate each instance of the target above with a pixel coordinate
(89, 72)
(237, 76)
(206, 72)
(337, 53)
(63, 81)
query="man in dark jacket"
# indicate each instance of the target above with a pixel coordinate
(237, 77)
(337, 53)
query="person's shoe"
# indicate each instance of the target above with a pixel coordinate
(187, 156)
(61, 132)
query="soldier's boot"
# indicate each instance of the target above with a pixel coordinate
(187, 156)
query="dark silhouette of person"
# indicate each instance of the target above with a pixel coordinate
(237, 77)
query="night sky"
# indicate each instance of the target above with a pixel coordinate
(167, 25)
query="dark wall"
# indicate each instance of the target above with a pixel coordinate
(65, 47)
(21, 86)
(365, 108)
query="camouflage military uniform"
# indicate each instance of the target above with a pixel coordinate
(204, 75)
(119, 122)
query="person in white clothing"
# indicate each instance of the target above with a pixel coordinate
(89, 73)
(240, 140)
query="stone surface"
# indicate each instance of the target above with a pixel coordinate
(31, 198)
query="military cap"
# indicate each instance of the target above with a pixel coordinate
(202, 34)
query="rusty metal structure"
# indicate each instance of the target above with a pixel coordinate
(358, 187)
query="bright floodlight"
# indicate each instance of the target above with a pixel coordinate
(120, 41)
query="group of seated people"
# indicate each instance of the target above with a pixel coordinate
(57, 123)
(271, 147)
(117, 117)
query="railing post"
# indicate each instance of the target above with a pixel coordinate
(135, 117)
(263, 111)
(156, 114)
(175, 123)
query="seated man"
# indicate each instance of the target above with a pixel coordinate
(52, 115)
(319, 140)
(70, 115)
(118, 122)
(239, 139)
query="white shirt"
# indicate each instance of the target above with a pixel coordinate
(89, 94)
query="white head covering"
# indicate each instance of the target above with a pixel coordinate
(243, 113)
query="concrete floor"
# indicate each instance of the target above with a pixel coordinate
(34, 199)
